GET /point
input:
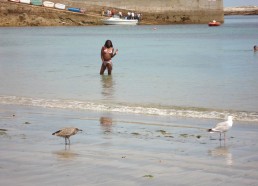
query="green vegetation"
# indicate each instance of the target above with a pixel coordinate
(148, 176)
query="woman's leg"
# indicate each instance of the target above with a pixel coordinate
(109, 67)
(102, 69)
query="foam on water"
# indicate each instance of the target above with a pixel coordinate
(146, 110)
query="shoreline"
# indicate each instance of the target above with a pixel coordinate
(154, 110)
(18, 14)
(122, 148)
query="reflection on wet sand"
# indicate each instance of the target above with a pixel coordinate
(65, 154)
(106, 124)
(222, 151)
(107, 87)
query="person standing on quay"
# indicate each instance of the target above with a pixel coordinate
(107, 53)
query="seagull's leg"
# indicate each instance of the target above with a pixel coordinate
(220, 136)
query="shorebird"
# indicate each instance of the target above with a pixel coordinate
(66, 133)
(222, 127)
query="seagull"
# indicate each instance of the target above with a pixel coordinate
(222, 127)
(66, 133)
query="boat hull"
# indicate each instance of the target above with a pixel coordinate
(25, 1)
(16, 1)
(48, 4)
(36, 2)
(118, 21)
(74, 10)
(214, 24)
(60, 6)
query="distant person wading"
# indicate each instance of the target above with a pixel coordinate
(107, 53)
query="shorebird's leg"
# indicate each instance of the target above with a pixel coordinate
(220, 136)
(68, 140)
(65, 141)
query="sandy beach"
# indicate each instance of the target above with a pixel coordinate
(122, 149)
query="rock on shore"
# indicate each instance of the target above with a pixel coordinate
(18, 14)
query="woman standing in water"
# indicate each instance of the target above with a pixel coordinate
(107, 53)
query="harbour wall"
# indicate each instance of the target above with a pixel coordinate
(170, 11)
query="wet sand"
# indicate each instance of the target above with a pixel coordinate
(120, 149)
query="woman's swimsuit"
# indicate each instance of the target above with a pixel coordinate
(107, 62)
(107, 51)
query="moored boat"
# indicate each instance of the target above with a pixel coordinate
(214, 23)
(60, 6)
(48, 4)
(16, 1)
(74, 9)
(36, 2)
(25, 1)
(119, 21)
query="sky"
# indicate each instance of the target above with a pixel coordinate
(234, 3)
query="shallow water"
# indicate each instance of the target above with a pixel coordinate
(119, 148)
(171, 70)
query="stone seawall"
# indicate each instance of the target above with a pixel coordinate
(159, 5)
(245, 10)
(169, 11)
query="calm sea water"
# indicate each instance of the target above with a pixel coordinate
(173, 70)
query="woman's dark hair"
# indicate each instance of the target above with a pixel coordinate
(108, 44)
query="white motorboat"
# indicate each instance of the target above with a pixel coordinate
(119, 21)
(49, 4)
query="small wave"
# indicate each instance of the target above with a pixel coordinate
(172, 111)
